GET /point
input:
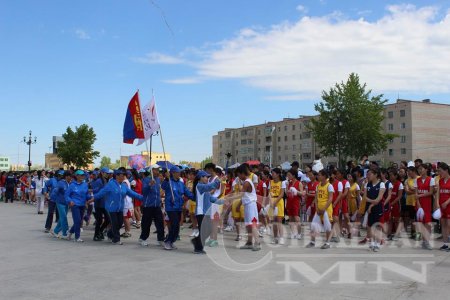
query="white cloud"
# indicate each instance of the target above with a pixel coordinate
(186, 80)
(407, 50)
(158, 58)
(82, 35)
(302, 9)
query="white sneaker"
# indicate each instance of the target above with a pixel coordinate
(79, 241)
(194, 233)
(299, 236)
(81, 230)
(229, 228)
(281, 241)
(293, 236)
(274, 241)
(197, 233)
(144, 243)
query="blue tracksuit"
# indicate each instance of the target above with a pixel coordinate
(49, 187)
(59, 192)
(114, 194)
(204, 199)
(97, 185)
(152, 193)
(77, 193)
(179, 190)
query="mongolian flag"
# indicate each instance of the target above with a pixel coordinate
(133, 127)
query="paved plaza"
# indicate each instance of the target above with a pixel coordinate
(35, 266)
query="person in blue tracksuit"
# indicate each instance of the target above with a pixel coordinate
(203, 200)
(151, 207)
(49, 187)
(114, 193)
(77, 195)
(59, 193)
(101, 215)
(174, 203)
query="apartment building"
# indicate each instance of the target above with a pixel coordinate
(422, 128)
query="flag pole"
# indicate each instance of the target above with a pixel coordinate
(165, 159)
(149, 153)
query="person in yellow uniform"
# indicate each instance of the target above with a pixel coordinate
(410, 213)
(237, 209)
(276, 191)
(323, 201)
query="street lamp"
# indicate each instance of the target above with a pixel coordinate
(29, 142)
(228, 155)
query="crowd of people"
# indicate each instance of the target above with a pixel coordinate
(335, 203)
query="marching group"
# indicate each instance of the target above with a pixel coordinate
(337, 203)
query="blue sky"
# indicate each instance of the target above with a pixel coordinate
(216, 64)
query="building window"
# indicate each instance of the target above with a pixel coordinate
(220, 146)
(244, 132)
(250, 142)
(391, 152)
(279, 139)
(402, 113)
(293, 127)
(307, 135)
(259, 131)
(293, 137)
(227, 135)
(301, 136)
(243, 142)
(285, 138)
(390, 114)
(285, 128)
(390, 126)
(279, 148)
(403, 151)
(259, 141)
(403, 126)
(267, 148)
(391, 141)
(220, 137)
(306, 155)
(279, 129)
(294, 147)
(403, 138)
(268, 139)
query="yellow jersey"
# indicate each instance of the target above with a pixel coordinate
(410, 199)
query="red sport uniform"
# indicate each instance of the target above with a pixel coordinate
(397, 188)
(337, 186)
(293, 201)
(423, 186)
(344, 202)
(311, 188)
(444, 195)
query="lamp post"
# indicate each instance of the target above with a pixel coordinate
(29, 142)
(228, 155)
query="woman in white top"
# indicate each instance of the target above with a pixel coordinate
(39, 183)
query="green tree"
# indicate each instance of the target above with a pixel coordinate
(349, 124)
(77, 147)
(105, 162)
(115, 165)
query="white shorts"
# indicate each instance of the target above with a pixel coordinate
(251, 214)
(215, 209)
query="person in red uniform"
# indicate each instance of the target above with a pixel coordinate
(340, 175)
(137, 187)
(294, 192)
(443, 201)
(337, 197)
(394, 202)
(311, 188)
(424, 186)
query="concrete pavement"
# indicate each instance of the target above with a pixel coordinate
(35, 266)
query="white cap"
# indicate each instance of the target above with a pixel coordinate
(411, 164)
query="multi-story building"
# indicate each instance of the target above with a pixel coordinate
(422, 128)
(5, 164)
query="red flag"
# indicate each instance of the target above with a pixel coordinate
(133, 127)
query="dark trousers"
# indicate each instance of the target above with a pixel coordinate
(77, 216)
(87, 216)
(204, 232)
(174, 230)
(101, 220)
(150, 214)
(116, 219)
(9, 195)
(51, 211)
